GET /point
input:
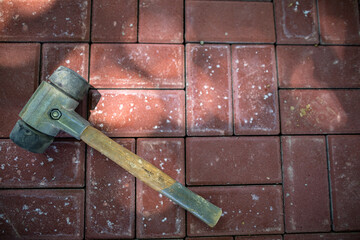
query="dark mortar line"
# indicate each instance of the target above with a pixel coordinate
(135, 191)
(138, 23)
(318, 20)
(329, 182)
(282, 180)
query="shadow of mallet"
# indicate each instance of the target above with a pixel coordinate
(52, 108)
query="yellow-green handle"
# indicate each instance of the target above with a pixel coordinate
(152, 176)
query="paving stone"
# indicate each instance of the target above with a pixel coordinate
(267, 237)
(110, 196)
(234, 22)
(339, 22)
(137, 66)
(255, 90)
(296, 22)
(161, 21)
(344, 155)
(157, 216)
(246, 210)
(233, 160)
(306, 184)
(231, 0)
(62, 165)
(318, 67)
(114, 21)
(138, 113)
(209, 238)
(209, 98)
(319, 111)
(72, 55)
(42, 214)
(324, 236)
(19, 72)
(44, 20)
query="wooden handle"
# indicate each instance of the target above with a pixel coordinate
(152, 176)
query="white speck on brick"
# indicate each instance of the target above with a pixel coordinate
(164, 219)
(110, 224)
(218, 66)
(255, 197)
(306, 12)
(67, 61)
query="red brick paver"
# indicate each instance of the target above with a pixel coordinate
(161, 21)
(45, 20)
(114, 21)
(71, 55)
(269, 237)
(208, 90)
(246, 210)
(19, 72)
(157, 216)
(339, 22)
(110, 196)
(325, 236)
(137, 66)
(42, 214)
(62, 165)
(296, 22)
(306, 187)
(318, 67)
(122, 113)
(259, 158)
(209, 238)
(345, 181)
(229, 22)
(320, 111)
(255, 90)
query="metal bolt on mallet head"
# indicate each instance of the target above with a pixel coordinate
(55, 114)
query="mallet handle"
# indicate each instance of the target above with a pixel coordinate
(152, 176)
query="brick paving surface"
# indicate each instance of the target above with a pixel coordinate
(254, 105)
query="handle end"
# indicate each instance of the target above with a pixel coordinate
(197, 205)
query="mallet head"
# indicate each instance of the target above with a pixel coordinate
(51, 109)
